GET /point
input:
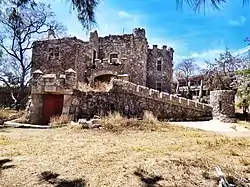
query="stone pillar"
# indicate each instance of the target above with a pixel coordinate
(34, 114)
(222, 102)
(70, 79)
(35, 80)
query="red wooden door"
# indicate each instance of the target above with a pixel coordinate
(52, 105)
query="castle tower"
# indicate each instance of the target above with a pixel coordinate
(140, 51)
(160, 68)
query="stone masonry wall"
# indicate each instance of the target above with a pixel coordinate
(132, 100)
(58, 55)
(91, 59)
(165, 75)
(222, 102)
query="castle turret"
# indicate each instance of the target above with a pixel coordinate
(139, 32)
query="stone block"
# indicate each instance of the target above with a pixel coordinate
(183, 101)
(165, 96)
(154, 93)
(174, 98)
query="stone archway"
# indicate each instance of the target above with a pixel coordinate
(103, 76)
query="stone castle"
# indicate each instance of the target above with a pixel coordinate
(139, 80)
(127, 56)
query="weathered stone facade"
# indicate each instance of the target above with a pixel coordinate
(125, 97)
(103, 57)
(222, 102)
(132, 100)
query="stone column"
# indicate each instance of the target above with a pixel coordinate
(36, 75)
(35, 110)
(222, 102)
(70, 79)
(70, 85)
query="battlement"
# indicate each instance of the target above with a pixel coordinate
(50, 83)
(59, 40)
(163, 48)
(139, 32)
(144, 92)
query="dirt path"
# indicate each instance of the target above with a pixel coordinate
(229, 129)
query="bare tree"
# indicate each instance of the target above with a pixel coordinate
(186, 68)
(220, 72)
(20, 26)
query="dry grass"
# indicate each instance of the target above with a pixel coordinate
(96, 87)
(245, 124)
(8, 114)
(168, 156)
(60, 120)
(115, 122)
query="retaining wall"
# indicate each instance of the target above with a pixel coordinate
(132, 100)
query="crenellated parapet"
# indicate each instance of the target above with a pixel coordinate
(50, 83)
(165, 50)
(145, 92)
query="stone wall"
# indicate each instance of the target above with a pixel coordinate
(123, 96)
(132, 100)
(58, 55)
(222, 102)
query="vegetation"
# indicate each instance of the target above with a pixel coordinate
(115, 122)
(186, 68)
(6, 114)
(85, 10)
(60, 120)
(219, 73)
(20, 26)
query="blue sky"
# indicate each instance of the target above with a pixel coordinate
(200, 35)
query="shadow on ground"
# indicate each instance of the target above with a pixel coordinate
(51, 177)
(148, 180)
(3, 163)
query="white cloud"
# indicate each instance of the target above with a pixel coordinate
(124, 14)
(201, 57)
(238, 22)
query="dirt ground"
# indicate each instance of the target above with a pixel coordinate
(172, 156)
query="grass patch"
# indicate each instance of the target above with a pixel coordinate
(57, 121)
(190, 155)
(115, 122)
(245, 124)
(4, 141)
(8, 114)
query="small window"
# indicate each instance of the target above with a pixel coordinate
(54, 53)
(57, 52)
(113, 58)
(159, 65)
(158, 86)
(50, 53)
(94, 56)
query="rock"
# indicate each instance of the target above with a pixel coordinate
(94, 121)
(1, 122)
(82, 121)
(96, 117)
(95, 126)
